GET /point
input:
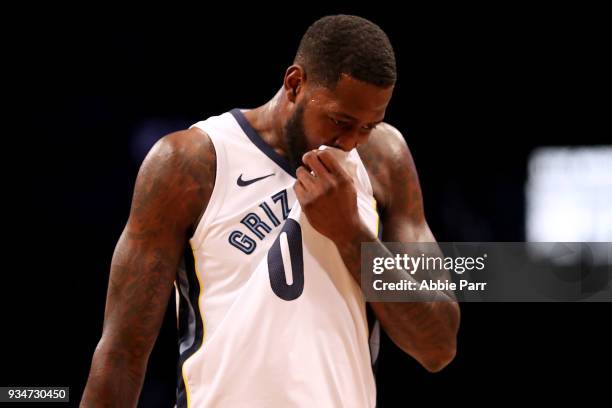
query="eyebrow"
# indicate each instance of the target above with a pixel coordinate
(346, 116)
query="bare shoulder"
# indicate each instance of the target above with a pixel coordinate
(189, 147)
(386, 139)
(387, 159)
(178, 174)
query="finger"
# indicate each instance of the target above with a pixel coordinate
(311, 159)
(305, 157)
(333, 165)
(300, 192)
(304, 177)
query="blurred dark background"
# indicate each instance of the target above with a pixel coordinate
(478, 90)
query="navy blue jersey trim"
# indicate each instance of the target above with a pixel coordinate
(259, 142)
(185, 305)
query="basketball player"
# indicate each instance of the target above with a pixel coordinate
(257, 218)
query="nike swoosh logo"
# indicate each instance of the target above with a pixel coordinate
(244, 183)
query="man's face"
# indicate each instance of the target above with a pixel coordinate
(342, 117)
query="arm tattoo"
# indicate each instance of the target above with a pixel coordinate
(426, 328)
(172, 189)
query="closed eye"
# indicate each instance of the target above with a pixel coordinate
(340, 123)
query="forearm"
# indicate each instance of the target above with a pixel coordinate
(115, 379)
(423, 328)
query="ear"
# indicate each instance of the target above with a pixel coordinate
(295, 79)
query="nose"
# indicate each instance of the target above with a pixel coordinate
(351, 140)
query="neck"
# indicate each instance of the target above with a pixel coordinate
(269, 120)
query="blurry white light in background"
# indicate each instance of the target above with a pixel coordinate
(569, 194)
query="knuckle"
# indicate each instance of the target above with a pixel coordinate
(325, 154)
(308, 156)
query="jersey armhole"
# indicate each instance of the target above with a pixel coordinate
(218, 194)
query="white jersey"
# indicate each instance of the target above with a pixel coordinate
(269, 316)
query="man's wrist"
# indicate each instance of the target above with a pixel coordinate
(360, 233)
